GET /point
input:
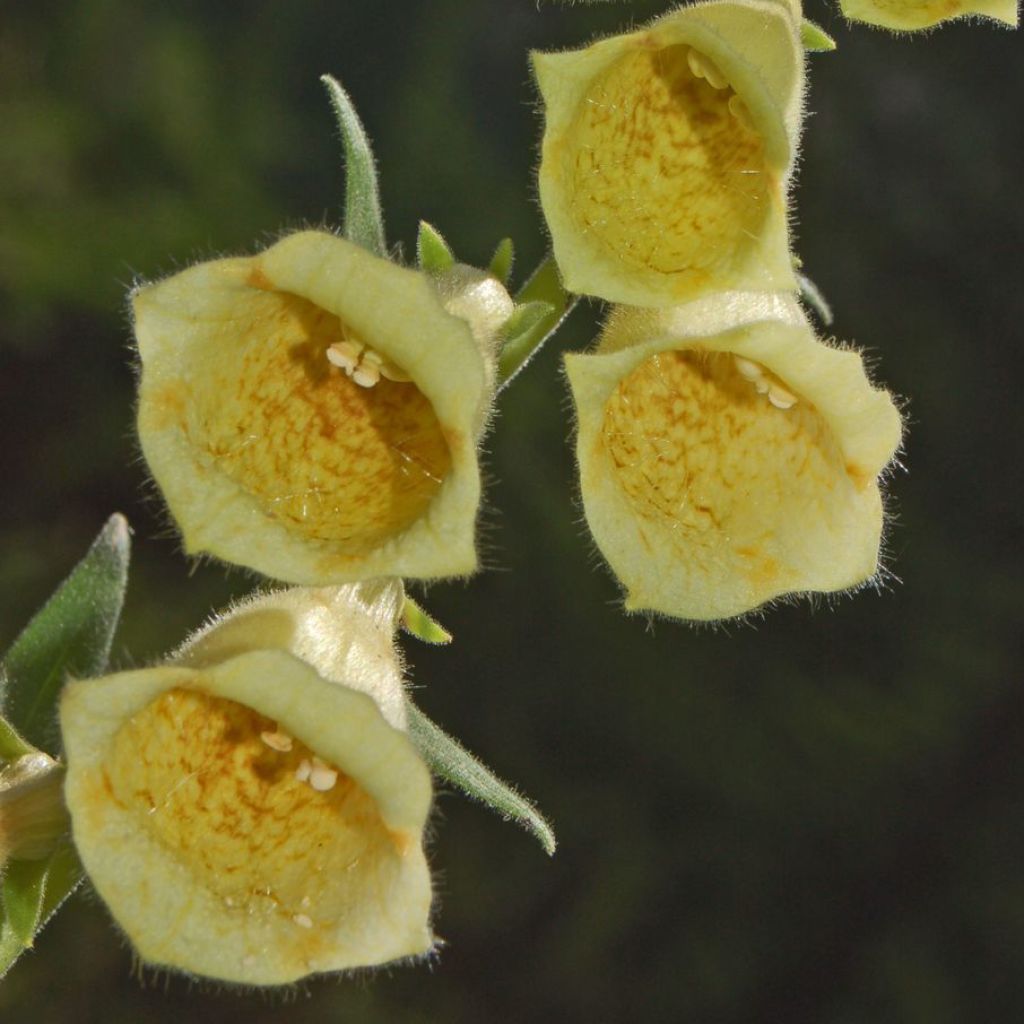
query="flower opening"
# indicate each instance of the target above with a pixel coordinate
(314, 412)
(728, 457)
(245, 817)
(667, 154)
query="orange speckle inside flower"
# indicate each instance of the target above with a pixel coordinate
(321, 453)
(741, 486)
(663, 173)
(208, 789)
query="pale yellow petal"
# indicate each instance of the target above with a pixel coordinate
(667, 154)
(212, 851)
(908, 15)
(728, 457)
(271, 456)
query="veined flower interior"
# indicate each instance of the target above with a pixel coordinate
(252, 814)
(665, 167)
(326, 434)
(742, 473)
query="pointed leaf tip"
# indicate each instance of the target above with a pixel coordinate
(31, 892)
(449, 760)
(502, 260)
(364, 222)
(418, 623)
(433, 253)
(814, 38)
(70, 636)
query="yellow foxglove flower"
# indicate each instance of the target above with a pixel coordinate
(907, 15)
(667, 153)
(727, 456)
(253, 810)
(314, 412)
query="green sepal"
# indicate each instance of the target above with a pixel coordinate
(70, 636)
(543, 286)
(433, 254)
(813, 297)
(364, 222)
(32, 891)
(501, 262)
(814, 38)
(12, 744)
(450, 761)
(421, 625)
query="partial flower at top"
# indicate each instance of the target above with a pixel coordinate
(313, 412)
(907, 15)
(253, 810)
(667, 153)
(727, 456)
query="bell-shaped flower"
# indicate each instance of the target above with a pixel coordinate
(314, 412)
(727, 456)
(908, 15)
(668, 151)
(253, 810)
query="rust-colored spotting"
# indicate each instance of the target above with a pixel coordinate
(211, 792)
(698, 452)
(332, 460)
(662, 173)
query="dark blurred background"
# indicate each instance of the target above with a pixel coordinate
(814, 816)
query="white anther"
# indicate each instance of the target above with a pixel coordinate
(302, 921)
(277, 740)
(366, 374)
(780, 397)
(762, 386)
(345, 355)
(703, 66)
(303, 771)
(322, 777)
(747, 369)
(739, 110)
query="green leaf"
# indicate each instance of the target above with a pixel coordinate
(815, 38)
(812, 295)
(423, 626)
(364, 223)
(501, 261)
(544, 285)
(32, 892)
(70, 636)
(524, 319)
(452, 762)
(432, 252)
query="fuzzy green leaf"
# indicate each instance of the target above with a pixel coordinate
(524, 319)
(364, 222)
(501, 261)
(544, 285)
(814, 38)
(419, 624)
(432, 252)
(24, 887)
(451, 761)
(69, 636)
(32, 891)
